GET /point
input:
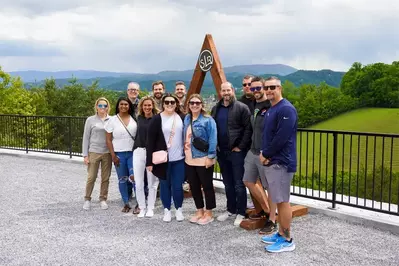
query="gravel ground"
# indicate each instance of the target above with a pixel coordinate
(42, 223)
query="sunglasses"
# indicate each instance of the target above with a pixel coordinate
(102, 105)
(271, 87)
(246, 84)
(169, 102)
(256, 88)
(195, 103)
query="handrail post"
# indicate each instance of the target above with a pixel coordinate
(70, 137)
(335, 161)
(26, 135)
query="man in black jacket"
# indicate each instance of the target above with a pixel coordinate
(234, 139)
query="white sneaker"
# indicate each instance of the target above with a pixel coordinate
(224, 216)
(103, 205)
(186, 187)
(179, 214)
(141, 213)
(167, 216)
(86, 205)
(238, 219)
(149, 213)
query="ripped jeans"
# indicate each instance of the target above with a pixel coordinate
(124, 171)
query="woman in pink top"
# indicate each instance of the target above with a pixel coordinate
(200, 136)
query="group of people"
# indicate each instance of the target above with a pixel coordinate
(160, 141)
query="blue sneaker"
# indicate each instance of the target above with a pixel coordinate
(271, 239)
(280, 246)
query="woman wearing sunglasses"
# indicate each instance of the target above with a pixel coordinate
(96, 152)
(121, 131)
(200, 149)
(165, 156)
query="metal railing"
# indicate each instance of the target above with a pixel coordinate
(349, 168)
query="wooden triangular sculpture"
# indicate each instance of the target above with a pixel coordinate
(208, 60)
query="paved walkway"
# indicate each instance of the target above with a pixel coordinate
(42, 223)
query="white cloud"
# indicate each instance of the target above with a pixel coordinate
(160, 34)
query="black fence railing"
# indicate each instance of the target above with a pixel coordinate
(348, 168)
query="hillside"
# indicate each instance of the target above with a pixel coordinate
(332, 78)
(379, 120)
(32, 76)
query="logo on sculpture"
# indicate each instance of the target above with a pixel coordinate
(205, 60)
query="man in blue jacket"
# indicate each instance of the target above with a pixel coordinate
(279, 158)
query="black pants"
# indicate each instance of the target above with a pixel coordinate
(198, 176)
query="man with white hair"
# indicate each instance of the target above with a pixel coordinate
(133, 90)
(234, 139)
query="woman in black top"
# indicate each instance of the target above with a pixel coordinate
(146, 110)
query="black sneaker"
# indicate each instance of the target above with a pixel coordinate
(268, 228)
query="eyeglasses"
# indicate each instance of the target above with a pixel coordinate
(259, 88)
(195, 103)
(169, 102)
(132, 90)
(246, 84)
(102, 105)
(271, 87)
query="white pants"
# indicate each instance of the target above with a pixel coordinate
(139, 161)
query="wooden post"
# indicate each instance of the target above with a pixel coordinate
(208, 60)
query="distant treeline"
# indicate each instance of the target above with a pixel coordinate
(375, 85)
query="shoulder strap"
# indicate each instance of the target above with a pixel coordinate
(192, 129)
(126, 128)
(172, 132)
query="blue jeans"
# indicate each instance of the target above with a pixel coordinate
(173, 185)
(124, 171)
(232, 169)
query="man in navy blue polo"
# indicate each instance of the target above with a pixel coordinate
(278, 155)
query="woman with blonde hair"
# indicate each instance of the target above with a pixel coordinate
(200, 135)
(96, 152)
(147, 108)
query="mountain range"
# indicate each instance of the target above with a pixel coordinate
(234, 74)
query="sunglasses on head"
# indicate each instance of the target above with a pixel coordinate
(271, 87)
(259, 88)
(195, 103)
(246, 84)
(102, 105)
(169, 102)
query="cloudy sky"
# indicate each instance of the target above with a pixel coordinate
(133, 36)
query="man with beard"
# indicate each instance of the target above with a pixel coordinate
(158, 90)
(133, 89)
(234, 139)
(248, 97)
(180, 91)
(254, 170)
(280, 159)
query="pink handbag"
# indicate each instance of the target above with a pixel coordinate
(159, 157)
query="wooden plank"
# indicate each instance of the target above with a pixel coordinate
(248, 224)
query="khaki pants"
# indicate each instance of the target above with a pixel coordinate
(106, 164)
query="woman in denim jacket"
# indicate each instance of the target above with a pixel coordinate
(200, 164)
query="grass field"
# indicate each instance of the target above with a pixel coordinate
(374, 120)
(372, 159)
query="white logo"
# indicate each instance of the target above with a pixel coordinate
(285, 117)
(205, 60)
